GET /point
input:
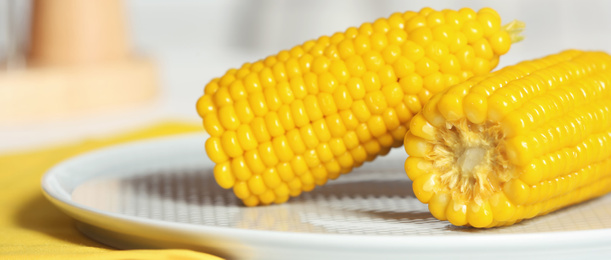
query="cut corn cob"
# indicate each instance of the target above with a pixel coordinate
(517, 143)
(289, 122)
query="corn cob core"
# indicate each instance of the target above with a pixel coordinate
(517, 143)
(289, 122)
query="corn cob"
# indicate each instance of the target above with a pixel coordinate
(289, 122)
(517, 143)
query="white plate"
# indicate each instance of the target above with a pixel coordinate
(161, 194)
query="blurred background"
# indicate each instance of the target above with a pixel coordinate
(190, 42)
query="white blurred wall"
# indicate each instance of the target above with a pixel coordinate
(195, 41)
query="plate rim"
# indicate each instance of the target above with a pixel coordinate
(557, 239)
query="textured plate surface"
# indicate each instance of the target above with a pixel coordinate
(161, 194)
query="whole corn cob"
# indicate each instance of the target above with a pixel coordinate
(289, 122)
(517, 143)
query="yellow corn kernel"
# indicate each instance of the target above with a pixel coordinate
(386, 141)
(500, 42)
(337, 146)
(285, 117)
(205, 105)
(240, 169)
(359, 154)
(335, 125)
(308, 136)
(456, 212)
(481, 66)
(420, 127)
(215, 149)
(473, 30)
(272, 99)
(254, 162)
(434, 19)
(240, 189)
(450, 65)
(482, 49)
(285, 172)
(267, 197)
(362, 43)
(413, 103)
(392, 52)
(319, 173)
(502, 208)
(416, 166)
(223, 175)
(423, 187)
(230, 144)
(450, 107)
(246, 137)
(360, 110)
(433, 83)
(260, 130)
(271, 178)
(257, 104)
(373, 148)
(321, 130)
(416, 146)
(282, 149)
(211, 87)
(437, 51)
(256, 185)
(251, 201)
(438, 205)
(222, 97)
(531, 138)
(414, 21)
(411, 84)
(391, 120)
(345, 161)
(376, 126)
(423, 97)
(297, 85)
(490, 20)
(475, 107)
(376, 102)
(312, 108)
(213, 125)
(243, 111)
(342, 98)
(479, 214)
(324, 153)
(350, 121)
(268, 156)
(293, 120)
(307, 180)
(299, 165)
(397, 134)
(298, 113)
(273, 125)
(421, 36)
(371, 81)
(426, 66)
(282, 193)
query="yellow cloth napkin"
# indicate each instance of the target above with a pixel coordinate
(33, 228)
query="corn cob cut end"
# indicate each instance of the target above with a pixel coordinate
(547, 147)
(470, 153)
(453, 176)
